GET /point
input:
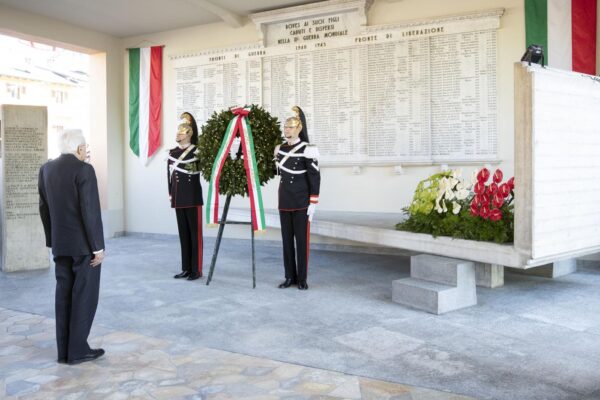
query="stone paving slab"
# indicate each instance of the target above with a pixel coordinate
(517, 343)
(143, 367)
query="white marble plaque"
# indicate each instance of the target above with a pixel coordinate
(463, 90)
(420, 92)
(204, 89)
(303, 30)
(24, 150)
(309, 23)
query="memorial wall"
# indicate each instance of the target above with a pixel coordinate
(202, 60)
(24, 150)
(421, 92)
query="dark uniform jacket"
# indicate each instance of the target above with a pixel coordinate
(298, 167)
(70, 207)
(183, 177)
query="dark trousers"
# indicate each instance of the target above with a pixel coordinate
(189, 223)
(77, 290)
(295, 234)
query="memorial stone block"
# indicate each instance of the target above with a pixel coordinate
(24, 149)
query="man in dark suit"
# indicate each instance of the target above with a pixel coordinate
(70, 212)
(183, 178)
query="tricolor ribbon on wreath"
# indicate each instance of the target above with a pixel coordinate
(239, 124)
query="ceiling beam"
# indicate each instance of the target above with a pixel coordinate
(229, 17)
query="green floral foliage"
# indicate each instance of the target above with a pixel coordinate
(463, 225)
(193, 166)
(266, 133)
(426, 193)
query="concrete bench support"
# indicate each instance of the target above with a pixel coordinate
(437, 284)
(552, 270)
(489, 275)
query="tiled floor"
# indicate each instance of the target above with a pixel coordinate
(534, 338)
(142, 367)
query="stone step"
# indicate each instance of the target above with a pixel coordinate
(444, 270)
(432, 297)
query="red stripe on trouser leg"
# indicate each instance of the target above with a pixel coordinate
(200, 244)
(307, 245)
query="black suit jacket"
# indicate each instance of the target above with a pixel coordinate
(300, 177)
(184, 182)
(70, 207)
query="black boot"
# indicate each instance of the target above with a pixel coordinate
(287, 283)
(302, 285)
(183, 274)
(193, 276)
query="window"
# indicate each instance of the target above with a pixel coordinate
(60, 96)
(15, 91)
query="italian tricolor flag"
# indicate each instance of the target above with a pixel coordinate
(566, 29)
(145, 100)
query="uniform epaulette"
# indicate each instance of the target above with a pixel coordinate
(311, 151)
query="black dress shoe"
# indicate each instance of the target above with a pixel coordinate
(183, 274)
(193, 277)
(287, 283)
(62, 361)
(302, 285)
(92, 355)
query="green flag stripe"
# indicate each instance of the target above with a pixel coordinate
(536, 24)
(260, 211)
(134, 100)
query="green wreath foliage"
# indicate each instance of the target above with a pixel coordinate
(266, 134)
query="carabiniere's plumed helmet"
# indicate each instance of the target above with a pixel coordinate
(192, 122)
(300, 115)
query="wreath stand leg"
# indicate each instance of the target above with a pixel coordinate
(222, 224)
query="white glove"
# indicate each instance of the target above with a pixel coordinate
(311, 211)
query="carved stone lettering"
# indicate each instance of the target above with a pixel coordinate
(421, 92)
(24, 150)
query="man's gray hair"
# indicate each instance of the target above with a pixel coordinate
(70, 140)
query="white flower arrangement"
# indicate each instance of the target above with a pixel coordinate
(452, 189)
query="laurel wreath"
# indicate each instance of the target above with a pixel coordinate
(266, 134)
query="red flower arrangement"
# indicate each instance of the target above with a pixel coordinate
(489, 199)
